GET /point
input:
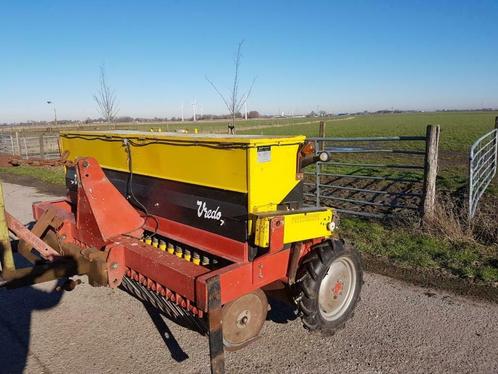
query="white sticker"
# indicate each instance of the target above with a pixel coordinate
(264, 154)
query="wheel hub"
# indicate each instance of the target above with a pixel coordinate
(243, 319)
(337, 289)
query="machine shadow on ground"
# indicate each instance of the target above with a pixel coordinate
(177, 353)
(160, 320)
(16, 308)
(280, 311)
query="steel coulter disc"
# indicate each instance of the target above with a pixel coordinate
(243, 319)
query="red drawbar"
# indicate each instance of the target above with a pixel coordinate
(34, 241)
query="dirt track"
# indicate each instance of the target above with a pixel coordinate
(398, 328)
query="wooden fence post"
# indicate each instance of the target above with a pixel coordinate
(321, 134)
(430, 171)
(5, 248)
(42, 147)
(496, 122)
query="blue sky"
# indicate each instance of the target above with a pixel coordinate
(333, 55)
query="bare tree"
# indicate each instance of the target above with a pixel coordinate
(233, 101)
(106, 98)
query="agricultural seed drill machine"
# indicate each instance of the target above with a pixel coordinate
(197, 225)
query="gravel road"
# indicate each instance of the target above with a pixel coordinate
(397, 328)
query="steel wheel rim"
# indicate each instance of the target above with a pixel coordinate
(337, 289)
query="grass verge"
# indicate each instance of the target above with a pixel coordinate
(52, 175)
(413, 248)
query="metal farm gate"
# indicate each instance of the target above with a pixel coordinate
(482, 167)
(375, 176)
(45, 146)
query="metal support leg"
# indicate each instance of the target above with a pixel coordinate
(7, 257)
(216, 352)
(317, 183)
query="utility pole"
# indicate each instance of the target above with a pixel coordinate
(194, 104)
(183, 119)
(245, 109)
(55, 112)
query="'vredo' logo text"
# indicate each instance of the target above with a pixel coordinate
(204, 212)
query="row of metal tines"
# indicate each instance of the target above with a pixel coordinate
(166, 301)
(175, 249)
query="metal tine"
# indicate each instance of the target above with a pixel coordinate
(166, 306)
(141, 292)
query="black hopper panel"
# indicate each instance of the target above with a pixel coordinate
(215, 210)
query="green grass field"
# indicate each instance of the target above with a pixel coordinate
(458, 129)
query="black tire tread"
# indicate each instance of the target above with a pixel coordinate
(310, 274)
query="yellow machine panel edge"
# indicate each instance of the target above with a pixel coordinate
(298, 226)
(191, 163)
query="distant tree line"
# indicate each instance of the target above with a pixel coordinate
(128, 119)
(252, 114)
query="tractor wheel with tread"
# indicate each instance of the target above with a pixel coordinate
(328, 287)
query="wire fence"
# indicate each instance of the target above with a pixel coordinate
(40, 146)
(375, 176)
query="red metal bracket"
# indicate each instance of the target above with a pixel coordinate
(102, 212)
(116, 268)
(276, 234)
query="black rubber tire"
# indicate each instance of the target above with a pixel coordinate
(311, 272)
